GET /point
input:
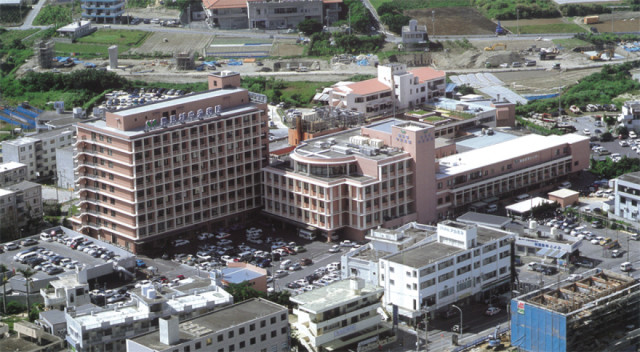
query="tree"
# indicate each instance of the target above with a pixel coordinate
(606, 137)
(27, 273)
(242, 292)
(310, 26)
(623, 130)
(3, 271)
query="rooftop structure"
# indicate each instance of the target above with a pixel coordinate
(414, 33)
(30, 337)
(234, 325)
(77, 29)
(67, 291)
(583, 313)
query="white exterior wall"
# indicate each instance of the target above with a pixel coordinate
(21, 150)
(263, 14)
(404, 296)
(37, 152)
(12, 173)
(65, 167)
(627, 203)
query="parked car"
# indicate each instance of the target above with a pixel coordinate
(280, 273)
(334, 249)
(306, 261)
(178, 243)
(616, 253)
(575, 277)
(10, 246)
(492, 311)
(28, 242)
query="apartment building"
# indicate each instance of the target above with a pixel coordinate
(507, 169)
(252, 325)
(339, 315)
(348, 182)
(463, 263)
(269, 14)
(38, 152)
(174, 167)
(374, 96)
(23, 203)
(103, 11)
(627, 196)
(11, 173)
(107, 329)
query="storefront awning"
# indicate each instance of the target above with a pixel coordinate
(544, 252)
(558, 253)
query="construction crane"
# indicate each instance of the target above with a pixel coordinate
(495, 46)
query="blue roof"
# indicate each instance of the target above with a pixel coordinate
(238, 275)
(481, 141)
(385, 126)
(450, 87)
(544, 251)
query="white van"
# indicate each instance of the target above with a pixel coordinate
(626, 266)
(46, 237)
(285, 264)
(22, 258)
(522, 197)
(307, 234)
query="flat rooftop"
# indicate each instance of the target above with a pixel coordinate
(330, 146)
(480, 140)
(563, 193)
(633, 177)
(484, 219)
(238, 275)
(496, 153)
(220, 320)
(423, 255)
(23, 186)
(331, 295)
(185, 99)
(11, 165)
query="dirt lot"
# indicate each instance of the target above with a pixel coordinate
(453, 21)
(165, 42)
(540, 82)
(154, 12)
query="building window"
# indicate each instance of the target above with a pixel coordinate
(198, 345)
(220, 337)
(263, 323)
(263, 337)
(252, 341)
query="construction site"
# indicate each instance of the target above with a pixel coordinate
(599, 312)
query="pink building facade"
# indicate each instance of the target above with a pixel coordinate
(386, 174)
(181, 165)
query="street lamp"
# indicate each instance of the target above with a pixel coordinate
(433, 21)
(518, 22)
(460, 310)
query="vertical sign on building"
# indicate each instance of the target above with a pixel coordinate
(520, 307)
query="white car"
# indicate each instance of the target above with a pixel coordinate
(225, 242)
(575, 277)
(178, 243)
(223, 235)
(492, 311)
(205, 236)
(280, 273)
(595, 241)
(334, 249)
(346, 243)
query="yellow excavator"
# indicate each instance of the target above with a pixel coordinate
(495, 46)
(598, 57)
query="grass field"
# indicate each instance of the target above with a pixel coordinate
(570, 43)
(416, 4)
(8, 36)
(305, 90)
(97, 44)
(550, 28)
(121, 37)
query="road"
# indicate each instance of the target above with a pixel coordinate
(28, 21)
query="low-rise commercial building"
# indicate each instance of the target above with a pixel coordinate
(565, 197)
(77, 29)
(465, 262)
(338, 315)
(414, 33)
(69, 290)
(241, 272)
(252, 325)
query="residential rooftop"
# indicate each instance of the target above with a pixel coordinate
(633, 177)
(219, 320)
(332, 295)
(10, 165)
(563, 193)
(22, 186)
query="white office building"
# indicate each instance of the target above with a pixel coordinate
(463, 263)
(38, 152)
(252, 325)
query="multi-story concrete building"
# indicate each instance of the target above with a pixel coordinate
(414, 34)
(178, 166)
(386, 174)
(464, 262)
(507, 169)
(252, 325)
(627, 196)
(374, 96)
(65, 166)
(69, 290)
(351, 181)
(100, 329)
(103, 11)
(38, 152)
(11, 173)
(338, 315)
(630, 115)
(265, 14)
(26, 200)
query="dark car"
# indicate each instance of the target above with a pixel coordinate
(293, 285)
(32, 262)
(306, 261)
(29, 242)
(55, 270)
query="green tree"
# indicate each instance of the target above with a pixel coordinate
(3, 272)
(310, 26)
(27, 273)
(606, 137)
(242, 292)
(623, 131)
(34, 313)
(15, 308)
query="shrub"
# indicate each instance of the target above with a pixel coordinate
(14, 307)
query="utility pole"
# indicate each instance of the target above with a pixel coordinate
(518, 22)
(349, 20)
(433, 21)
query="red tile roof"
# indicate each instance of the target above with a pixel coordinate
(224, 4)
(427, 74)
(369, 86)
